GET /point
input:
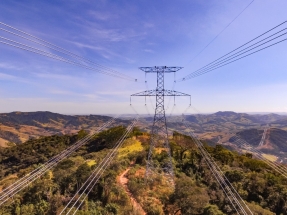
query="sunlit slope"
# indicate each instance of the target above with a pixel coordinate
(18, 127)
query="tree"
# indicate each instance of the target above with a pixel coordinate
(82, 133)
(189, 198)
(212, 210)
(82, 173)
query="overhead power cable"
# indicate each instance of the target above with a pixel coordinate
(242, 52)
(248, 42)
(88, 185)
(281, 169)
(104, 167)
(61, 50)
(49, 45)
(56, 57)
(228, 59)
(220, 32)
(16, 187)
(257, 153)
(231, 193)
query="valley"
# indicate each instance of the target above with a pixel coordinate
(216, 128)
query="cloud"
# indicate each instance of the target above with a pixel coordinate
(13, 78)
(55, 76)
(8, 66)
(64, 80)
(70, 93)
(149, 50)
(103, 16)
(149, 25)
(103, 51)
(83, 45)
(4, 76)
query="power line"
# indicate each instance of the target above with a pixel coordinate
(281, 169)
(47, 44)
(235, 199)
(257, 153)
(97, 173)
(16, 187)
(65, 60)
(223, 62)
(64, 52)
(227, 57)
(233, 60)
(220, 32)
(234, 55)
(106, 165)
(247, 42)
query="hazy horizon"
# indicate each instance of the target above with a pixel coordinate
(144, 114)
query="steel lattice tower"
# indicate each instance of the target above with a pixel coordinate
(159, 144)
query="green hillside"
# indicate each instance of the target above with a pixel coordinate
(196, 191)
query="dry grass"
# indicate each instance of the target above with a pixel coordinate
(50, 174)
(272, 158)
(91, 162)
(3, 142)
(130, 145)
(8, 180)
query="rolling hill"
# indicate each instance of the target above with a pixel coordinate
(18, 127)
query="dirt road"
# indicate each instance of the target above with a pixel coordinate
(123, 180)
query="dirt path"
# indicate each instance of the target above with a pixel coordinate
(123, 180)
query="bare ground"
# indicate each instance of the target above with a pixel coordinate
(123, 180)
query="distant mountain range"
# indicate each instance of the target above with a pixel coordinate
(239, 118)
(17, 127)
(228, 121)
(219, 127)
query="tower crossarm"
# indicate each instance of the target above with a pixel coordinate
(165, 93)
(174, 93)
(160, 68)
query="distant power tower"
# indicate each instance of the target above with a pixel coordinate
(159, 144)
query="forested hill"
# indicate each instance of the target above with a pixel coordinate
(225, 124)
(42, 118)
(18, 127)
(196, 191)
(222, 117)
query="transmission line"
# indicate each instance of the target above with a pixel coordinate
(247, 42)
(47, 44)
(103, 168)
(96, 174)
(228, 58)
(233, 196)
(63, 51)
(222, 62)
(220, 32)
(258, 154)
(16, 187)
(281, 169)
(56, 57)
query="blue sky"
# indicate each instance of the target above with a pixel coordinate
(125, 35)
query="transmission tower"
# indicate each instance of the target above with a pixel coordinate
(159, 144)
